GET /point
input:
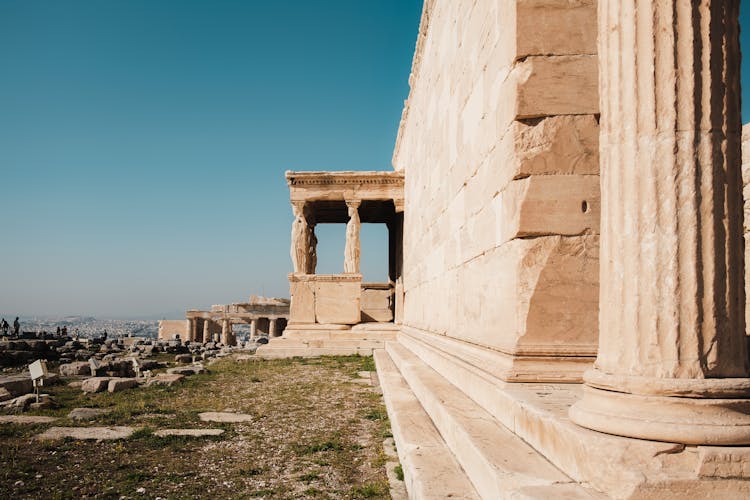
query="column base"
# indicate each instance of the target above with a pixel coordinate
(723, 419)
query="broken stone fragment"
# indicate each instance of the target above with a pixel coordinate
(95, 384)
(86, 413)
(120, 384)
(166, 379)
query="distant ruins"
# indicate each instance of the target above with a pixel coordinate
(266, 316)
(555, 334)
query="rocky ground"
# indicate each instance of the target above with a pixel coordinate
(296, 429)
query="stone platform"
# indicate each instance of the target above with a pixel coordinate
(328, 340)
(516, 438)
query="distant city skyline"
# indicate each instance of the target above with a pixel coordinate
(144, 144)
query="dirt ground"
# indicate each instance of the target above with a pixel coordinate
(316, 432)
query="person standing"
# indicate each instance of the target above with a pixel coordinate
(4, 326)
(16, 326)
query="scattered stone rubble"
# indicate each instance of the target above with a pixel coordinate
(99, 365)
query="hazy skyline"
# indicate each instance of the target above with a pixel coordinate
(144, 143)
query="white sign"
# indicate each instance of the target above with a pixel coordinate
(38, 369)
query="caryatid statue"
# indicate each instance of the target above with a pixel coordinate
(300, 239)
(351, 251)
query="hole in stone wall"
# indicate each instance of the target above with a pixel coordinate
(584, 206)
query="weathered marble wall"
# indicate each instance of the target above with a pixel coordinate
(499, 143)
(168, 328)
(746, 196)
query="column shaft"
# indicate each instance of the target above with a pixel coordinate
(206, 331)
(672, 297)
(225, 332)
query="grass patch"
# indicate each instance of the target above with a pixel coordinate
(309, 477)
(399, 472)
(371, 490)
(330, 444)
(376, 414)
(313, 434)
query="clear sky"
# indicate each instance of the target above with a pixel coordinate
(143, 143)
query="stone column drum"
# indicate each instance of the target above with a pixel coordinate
(672, 362)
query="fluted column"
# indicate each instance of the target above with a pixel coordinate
(253, 329)
(352, 250)
(672, 362)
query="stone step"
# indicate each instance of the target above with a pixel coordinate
(270, 351)
(380, 335)
(430, 470)
(498, 463)
(538, 414)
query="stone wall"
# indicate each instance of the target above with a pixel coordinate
(499, 144)
(168, 328)
(746, 196)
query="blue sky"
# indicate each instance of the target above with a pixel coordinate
(143, 143)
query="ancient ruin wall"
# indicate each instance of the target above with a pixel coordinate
(746, 196)
(168, 328)
(499, 143)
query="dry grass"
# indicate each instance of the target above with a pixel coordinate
(315, 434)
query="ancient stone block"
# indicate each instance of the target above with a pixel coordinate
(556, 86)
(120, 384)
(74, 369)
(166, 379)
(302, 308)
(338, 301)
(548, 205)
(95, 384)
(376, 304)
(555, 27)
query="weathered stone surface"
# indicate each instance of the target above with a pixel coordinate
(166, 379)
(186, 370)
(184, 358)
(302, 309)
(97, 433)
(234, 418)
(376, 304)
(26, 419)
(338, 300)
(23, 402)
(87, 413)
(189, 432)
(561, 85)
(672, 288)
(95, 384)
(17, 384)
(120, 384)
